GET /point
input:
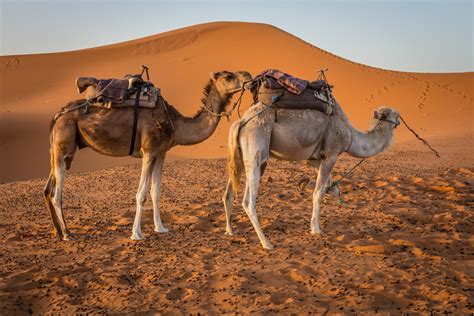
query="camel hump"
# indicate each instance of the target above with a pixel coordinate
(82, 83)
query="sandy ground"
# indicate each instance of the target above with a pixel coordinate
(401, 242)
(34, 87)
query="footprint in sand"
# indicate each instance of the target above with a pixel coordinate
(178, 294)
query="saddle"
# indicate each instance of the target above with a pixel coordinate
(315, 95)
(114, 93)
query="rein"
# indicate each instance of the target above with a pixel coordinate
(227, 114)
(58, 114)
(390, 121)
(418, 136)
(336, 183)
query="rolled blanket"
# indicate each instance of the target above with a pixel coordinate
(292, 84)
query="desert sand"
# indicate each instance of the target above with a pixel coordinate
(401, 241)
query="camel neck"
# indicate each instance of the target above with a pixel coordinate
(372, 142)
(193, 130)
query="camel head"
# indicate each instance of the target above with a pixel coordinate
(245, 77)
(388, 115)
(227, 83)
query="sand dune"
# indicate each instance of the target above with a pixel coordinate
(34, 87)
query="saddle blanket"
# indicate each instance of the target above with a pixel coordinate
(292, 84)
(111, 90)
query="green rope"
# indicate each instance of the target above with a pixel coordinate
(336, 183)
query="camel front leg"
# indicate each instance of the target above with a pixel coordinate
(323, 176)
(228, 200)
(147, 168)
(330, 189)
(155, 194)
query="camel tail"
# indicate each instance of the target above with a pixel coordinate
(235, 164)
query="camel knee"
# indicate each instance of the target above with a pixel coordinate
(47, 191)
(56, 202)
(252, 215)
(141, 198)
(245, 204)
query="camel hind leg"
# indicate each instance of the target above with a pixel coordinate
(63, 147)
(48, 190)
(249, 203)
(255, 147)
(228, 200)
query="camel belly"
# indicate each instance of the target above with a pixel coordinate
(297, 134)
(290, 145)
(107, 131)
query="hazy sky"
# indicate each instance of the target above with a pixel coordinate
(418, 35)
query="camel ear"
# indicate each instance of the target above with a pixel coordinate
(213, 76)
(376, 114)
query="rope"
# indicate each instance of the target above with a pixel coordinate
(417, 136)
(238, 103)
(228, 113)
(336, 183)
(57, 115)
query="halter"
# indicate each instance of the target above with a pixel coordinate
(236, 104)
(396, 123)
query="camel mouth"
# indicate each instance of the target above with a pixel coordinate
(247, 85)
(232, 91)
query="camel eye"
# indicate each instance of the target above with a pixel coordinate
(228, 77)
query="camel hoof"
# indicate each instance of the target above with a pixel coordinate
(67, 238)
(161, 229)
(333, 191)
(137, 237)
(229, 232)
(267, 246)
(317, 231)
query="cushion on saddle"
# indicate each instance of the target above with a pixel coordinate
(287, 81)
(315, 95)
(112, 93)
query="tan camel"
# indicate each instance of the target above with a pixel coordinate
(108, 131)
(296, 135)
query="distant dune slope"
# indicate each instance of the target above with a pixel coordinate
(34, 87)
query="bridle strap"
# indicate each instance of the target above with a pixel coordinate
(387, 120)
(228, 113)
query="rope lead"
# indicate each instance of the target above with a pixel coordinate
(417, 136)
